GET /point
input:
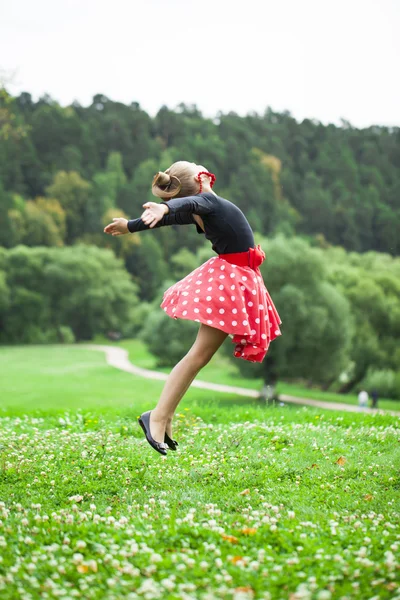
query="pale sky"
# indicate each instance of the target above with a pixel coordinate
(317, 59)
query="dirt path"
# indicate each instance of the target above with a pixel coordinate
(119, 358)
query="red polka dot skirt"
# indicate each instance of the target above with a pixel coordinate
(228, 293)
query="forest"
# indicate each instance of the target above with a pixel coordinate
(323, 200)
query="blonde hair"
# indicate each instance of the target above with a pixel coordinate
(178, 181)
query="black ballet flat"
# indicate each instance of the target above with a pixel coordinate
(172, 444)
(144, 422)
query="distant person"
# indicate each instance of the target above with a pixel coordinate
(226, 295)
(363, 399)
(375, 397)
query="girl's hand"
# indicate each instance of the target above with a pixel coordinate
(118, 227)
(154, 213)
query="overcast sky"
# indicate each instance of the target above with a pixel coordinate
(317, 59)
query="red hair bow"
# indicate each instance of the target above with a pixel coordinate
(210, 175)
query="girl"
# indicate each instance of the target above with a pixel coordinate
(226, 295)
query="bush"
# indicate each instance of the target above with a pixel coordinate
(386, 382)
(65, 335)
(138, 319)
(48, 294)
(168, 339)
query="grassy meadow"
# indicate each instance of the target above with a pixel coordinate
(270, 503)
(222, 370)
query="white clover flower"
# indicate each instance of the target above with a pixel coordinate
(303, 593)
(367, 540)
(168, 584)
(338, 558)
(240, 595)
(324, 595)
(77, 557)
(390, 558)
(149, 586)
(155, 558)
(77, 498)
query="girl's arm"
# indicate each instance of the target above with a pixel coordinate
(178, 208)
(168, 219)
(178, 211)
(198, 205)
(120, 226)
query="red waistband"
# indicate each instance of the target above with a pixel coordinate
(253, 258)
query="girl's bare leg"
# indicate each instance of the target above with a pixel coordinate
(207, 343)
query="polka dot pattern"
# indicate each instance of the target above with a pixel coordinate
(234, 299)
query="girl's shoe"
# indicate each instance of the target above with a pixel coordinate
(172, 444)
(144, 422)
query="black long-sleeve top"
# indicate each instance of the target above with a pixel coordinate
(225, 225)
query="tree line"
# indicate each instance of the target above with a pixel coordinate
(317, 196)
(306, 178)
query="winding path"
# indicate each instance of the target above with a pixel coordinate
(119, 358)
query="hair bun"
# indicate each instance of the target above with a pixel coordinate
(162, 179)
(165, 185)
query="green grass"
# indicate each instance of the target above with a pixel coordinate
(219, 370)
(56, 378)
(269, 503)
(222, 370)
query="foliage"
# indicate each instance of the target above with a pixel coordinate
(385, 382)
(45, 290)
(371, 283)
(168, 339)
(305, 177)
(66, 171)
(74, 195)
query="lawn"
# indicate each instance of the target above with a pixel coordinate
(222, 370)
(263, 503)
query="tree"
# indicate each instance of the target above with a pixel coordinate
(168, 339)
(35, 226)
(316, 207)
(53, 208)
(85, 289)
(292, 177)
(370, 282)
(108, 183)
(75, 197)
(146, 264)
(8, 236)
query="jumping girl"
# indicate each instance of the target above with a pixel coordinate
(226, 295)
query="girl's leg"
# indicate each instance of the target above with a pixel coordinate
(207, 343)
